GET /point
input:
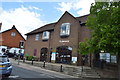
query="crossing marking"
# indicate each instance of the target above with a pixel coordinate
(13, 76)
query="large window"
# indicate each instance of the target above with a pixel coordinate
(65, 29)
(45, 35)
(37, 37)
(108, 58)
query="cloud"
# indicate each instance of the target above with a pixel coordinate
(64, 6)
(82, 7)
(24, 19)
(34, 8)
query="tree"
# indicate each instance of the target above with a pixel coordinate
(104, 22)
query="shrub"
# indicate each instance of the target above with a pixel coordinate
(29, 58)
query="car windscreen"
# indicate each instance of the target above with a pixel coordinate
(3, 59)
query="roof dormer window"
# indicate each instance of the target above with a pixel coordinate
(65, 29)
(45, 35)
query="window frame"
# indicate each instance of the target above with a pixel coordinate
(37, 37)
(13, 34)
(47, 36)
(65, 33)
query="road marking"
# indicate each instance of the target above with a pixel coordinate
(13, 76)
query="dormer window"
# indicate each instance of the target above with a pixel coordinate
(65, 30)
(45, 35)
(37, 37)
(13, 34)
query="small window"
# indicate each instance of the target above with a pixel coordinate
(37, 37)
(45, 35)
(21, 44)
(65, 29)
(13, 34)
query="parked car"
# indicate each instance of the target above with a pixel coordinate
(5, 66)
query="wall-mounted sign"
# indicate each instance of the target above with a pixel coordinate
(54, 50)
(74, 59)
(53, 56)
(70, 48)
(63, 40)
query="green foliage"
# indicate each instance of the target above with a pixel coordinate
(29, 58)
(104, 22)
(83, 48)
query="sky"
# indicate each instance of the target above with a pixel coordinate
(28, 15)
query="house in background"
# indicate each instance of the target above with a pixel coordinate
(12, 38)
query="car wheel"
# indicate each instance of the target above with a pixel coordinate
(7, 75)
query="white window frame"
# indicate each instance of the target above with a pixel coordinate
(13, 34)
(67, 31)
(45, 37)
(37, 37)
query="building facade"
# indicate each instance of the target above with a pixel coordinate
(11, 38)
(58, 42)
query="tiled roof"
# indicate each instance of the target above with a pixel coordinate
(80, 18)
(47, 27)
(11, 29)
(50, 26)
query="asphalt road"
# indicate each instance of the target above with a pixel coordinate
(29, 72)
(19, 73)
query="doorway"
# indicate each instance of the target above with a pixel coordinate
(43, 55)
(64, 54)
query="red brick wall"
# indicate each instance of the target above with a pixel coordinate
(11, 41)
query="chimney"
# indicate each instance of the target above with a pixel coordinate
(13, 27)
(0, 25)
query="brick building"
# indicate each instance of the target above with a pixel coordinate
(58, 42)
(12, 38)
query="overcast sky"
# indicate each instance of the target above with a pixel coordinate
(27, 16)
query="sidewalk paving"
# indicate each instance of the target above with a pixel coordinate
(75, 71)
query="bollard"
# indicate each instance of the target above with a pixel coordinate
(61, 68)
(44, 64)
(82, 68)
(32, 61)
(18, 60)
(23, 60)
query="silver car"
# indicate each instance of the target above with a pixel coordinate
(5, 66)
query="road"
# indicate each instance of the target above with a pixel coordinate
(29, 72)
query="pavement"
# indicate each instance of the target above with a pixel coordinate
(68, 71)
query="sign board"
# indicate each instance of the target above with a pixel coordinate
(54, 50)
(70, 48)
(63, 41)
(74, 59)
(53, 56)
